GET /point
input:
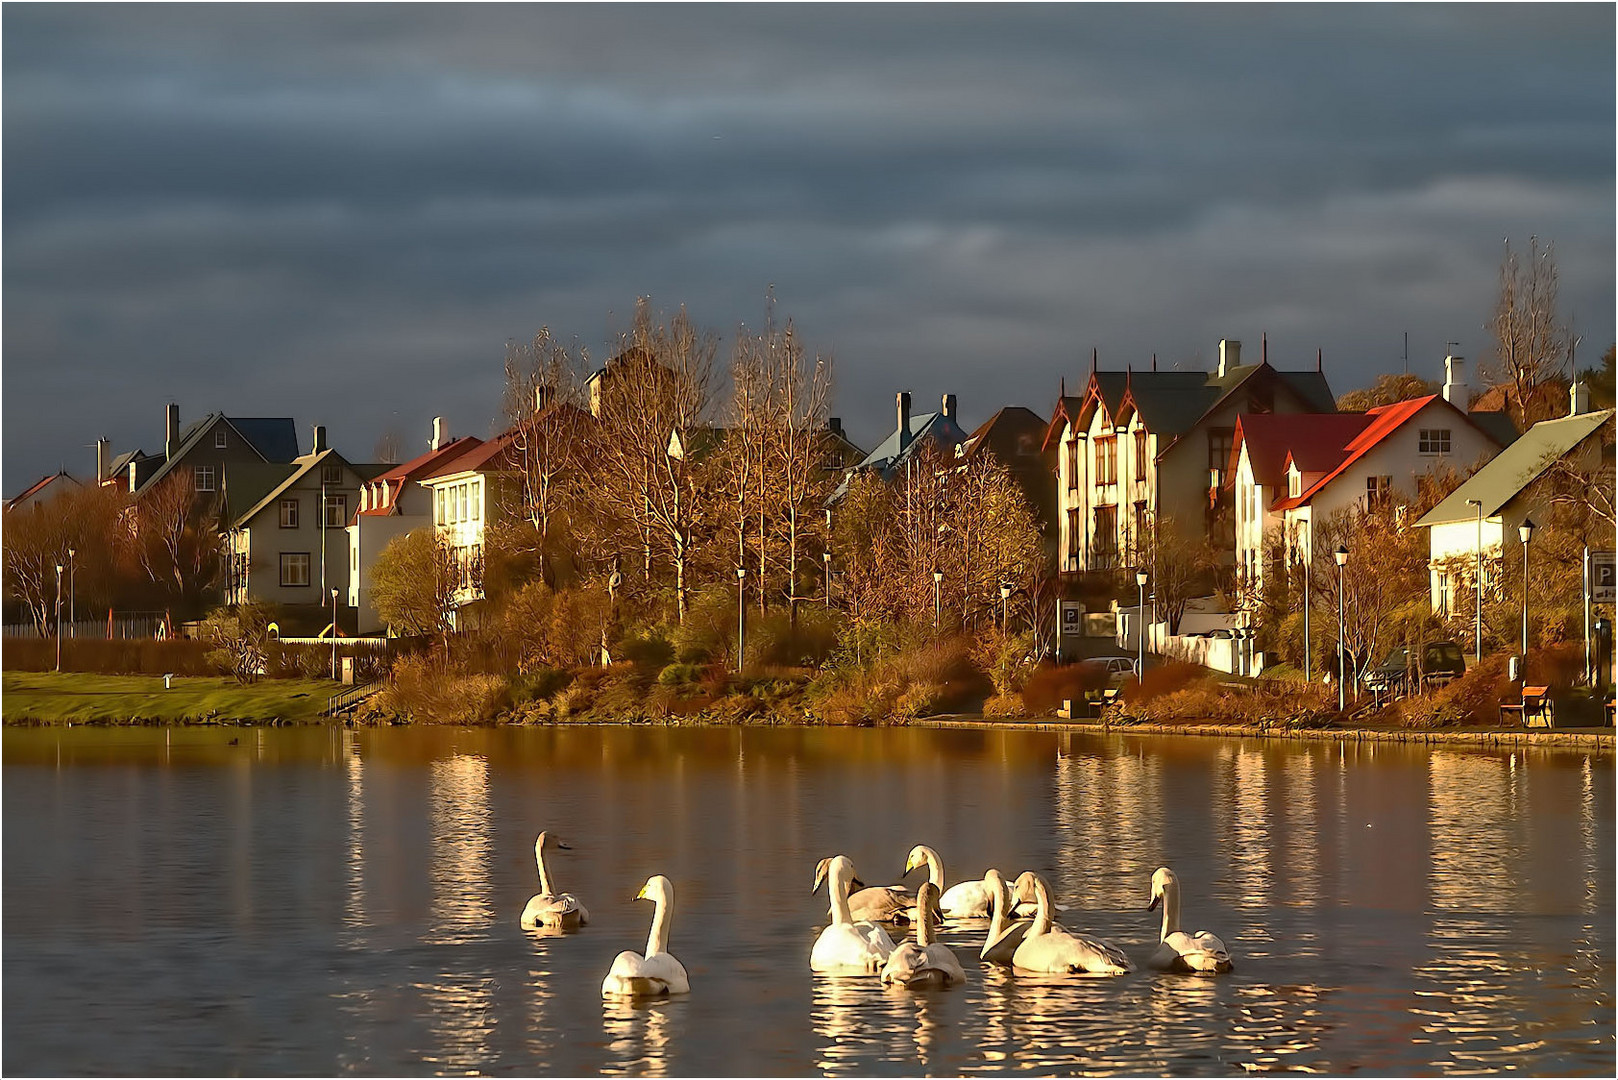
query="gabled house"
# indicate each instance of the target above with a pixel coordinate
(1015, 437)
(940, 431)
(44, 490)
(1137, 447)
(208, 449)
(392, 504)
(288, 545)
(1478, 522)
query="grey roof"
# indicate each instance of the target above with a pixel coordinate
(272, 438)
(1312, 388)
(1496, 425)
(1515, 467)
(289, 475)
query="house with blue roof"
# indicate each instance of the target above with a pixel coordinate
(911, 434)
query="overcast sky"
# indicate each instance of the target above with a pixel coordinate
(342, 214)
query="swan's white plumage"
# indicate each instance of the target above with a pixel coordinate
(1177, 950)
(1004, 935)
(847, 945)
(1050, 948)
(923, 962)
(657, 973)
(549, 908)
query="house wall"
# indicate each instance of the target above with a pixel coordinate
(206, 455)
(367, 538)
(1453, 550)
(463, 505)
(263, 541)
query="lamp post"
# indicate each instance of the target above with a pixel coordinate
(825, 557)
(1477, 585)
(1308, 587)
(938, 599)
(58, 616)
(1525, 532)
(72, 611)
(334, 633)
(1140, 625)
(1005, 601)
(741, 616)
(1341, 554)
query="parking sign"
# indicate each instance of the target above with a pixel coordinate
(1604, 577)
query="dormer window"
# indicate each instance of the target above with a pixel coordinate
(1294, 483)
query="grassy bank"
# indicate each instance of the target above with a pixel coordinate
(78, 698)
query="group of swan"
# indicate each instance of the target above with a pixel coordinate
(852, 944)
(856, 942)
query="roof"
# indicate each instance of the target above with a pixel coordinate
(248, 483)
(490, 456)
(1309, 438)
(1002, 432)
(40, 485)
(299, 469)
(271, 438)
(1515, 467)
(1496, 425)
(425, 464)
(696, 442)
(926, 429)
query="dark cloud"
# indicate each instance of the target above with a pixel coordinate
(343, 212)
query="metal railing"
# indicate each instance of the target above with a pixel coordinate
(349, 699)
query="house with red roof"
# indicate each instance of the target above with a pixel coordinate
(1287, 473)
(392, 504)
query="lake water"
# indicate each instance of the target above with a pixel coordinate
(216, 901)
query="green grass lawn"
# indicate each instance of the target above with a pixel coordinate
(51, 698)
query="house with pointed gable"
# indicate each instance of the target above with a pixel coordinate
(1137, 448)
(207, 450)
(912, 433)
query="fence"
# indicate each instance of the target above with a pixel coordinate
(132, 627)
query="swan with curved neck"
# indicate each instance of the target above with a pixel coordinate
(1051, 948)
(880, 903)
(848, 944)
(964, 900)
(657, 973)
(1177, 950)
(1004, 934)
(547, 907)
(924, 962)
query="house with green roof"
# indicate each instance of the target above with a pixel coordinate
(1478, 523)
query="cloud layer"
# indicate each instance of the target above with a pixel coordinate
(342, 213)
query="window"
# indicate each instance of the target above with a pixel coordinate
(1107, 459)
(289, 513)
(336, 511)
(1141, 464)
(1075, 533)
(1142, 531)
(219, 439)
(1106, 532)
(331, 474)
(294, 568)
(1433, 441)
(1294, 483)
(438, 507)
(1220, 440)
(1378, 489)
(204, 477)
(461, 493)
(1073, 448)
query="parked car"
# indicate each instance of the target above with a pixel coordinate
(1439, 662)
(1119, 668)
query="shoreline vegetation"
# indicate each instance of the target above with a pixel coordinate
(43, 699)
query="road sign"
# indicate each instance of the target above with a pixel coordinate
(1604, 577)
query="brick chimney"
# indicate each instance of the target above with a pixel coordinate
(949, 406)
(902, 405)
(320, 439)
(103, 456)
(1579, 398)
(171, 429)
(834, 424)
(1230, 355)
(1455, 381)
(440, 434)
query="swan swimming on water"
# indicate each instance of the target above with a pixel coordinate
(1050, 948)
(657, 974)
(1004, 935)
(923, 962)
(846, 945)
(963, 900)
(1177, 950)
(547, 907)
(880, 903)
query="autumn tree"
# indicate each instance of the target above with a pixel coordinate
(178, 539)
(88, 523)
(1386, 390)
(1182, 564)
(413, 584)
(240, 639)
(1533, 346)
(546, 421)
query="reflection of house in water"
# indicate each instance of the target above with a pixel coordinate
(1246, 830)
(1110, 808)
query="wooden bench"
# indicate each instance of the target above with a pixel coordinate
(1535, 710)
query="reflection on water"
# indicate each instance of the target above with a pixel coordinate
(330, 901)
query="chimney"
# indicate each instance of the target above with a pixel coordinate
(171, 429)
(1230, 355)
(132, 475)
(103, 453)
(1580, 395)
(440, 434)
(1455, 381)
(320, 439)
(903, 405)
(949, 406)
(542, 398)
(834, 424)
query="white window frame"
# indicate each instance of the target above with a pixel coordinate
(202, 477)
(289, 564)
(331, 474)
(338, 503)
(219, 439)
(292, 505)
(1434, 440)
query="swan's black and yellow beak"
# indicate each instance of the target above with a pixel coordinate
(855, 884)
(1154, 903)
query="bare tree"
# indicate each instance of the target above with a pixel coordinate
(389, 449)
(178, 538)
(88, 522)
(1532, 345)
(544, 390)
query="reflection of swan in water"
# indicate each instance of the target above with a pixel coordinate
(923, 962)
(1048, 947)
(846, 945)
(657, 973)
(963, 900)
(637, 1030)
(1177, 950)
(547, 907)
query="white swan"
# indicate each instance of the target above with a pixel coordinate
(547, 907)
(656, 974)
(1177, 950)
(881, 903)
(847, 945)
(964, 900)
(923, 962)
(1004, 935)
(1023, 901)
(1050, 948)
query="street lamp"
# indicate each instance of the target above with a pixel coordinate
(58, 616)
(72, 612)
(1525, 532)
(938, 599)
(825, 557)
(1140, 625)
(1477, 585)
(334, 633)
(1341, 554)
(1308, 587)
(741, 616)
(1005, 600)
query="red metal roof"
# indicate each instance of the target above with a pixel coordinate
(1384, 421)
(1318, 441)
(432, 460)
